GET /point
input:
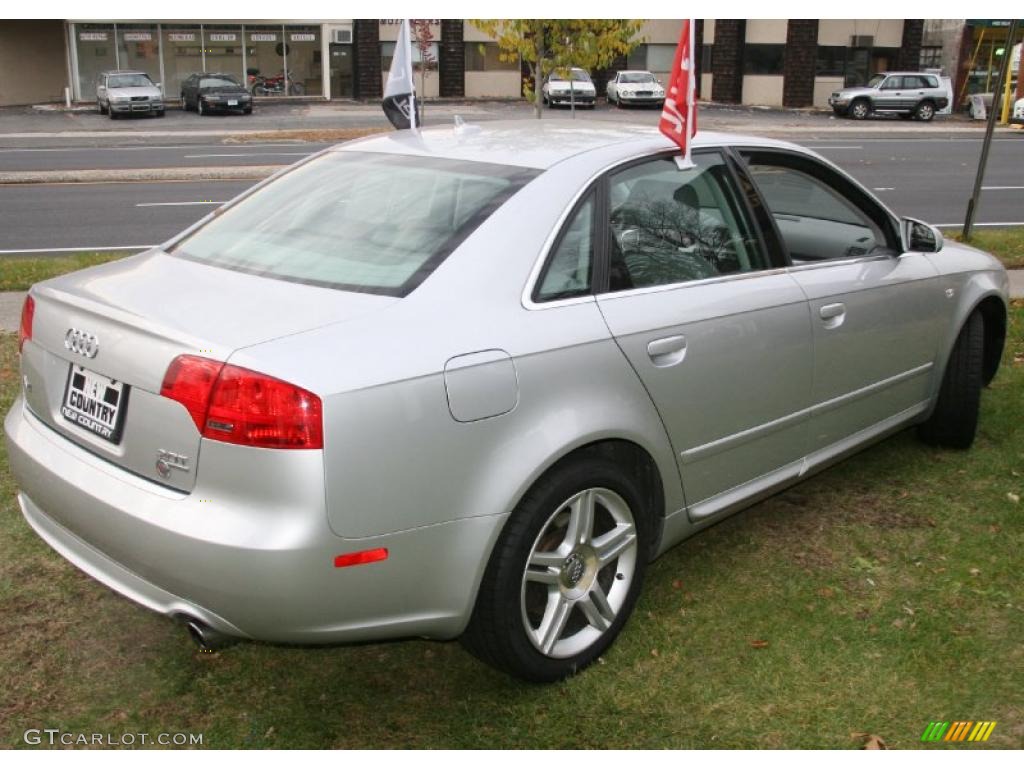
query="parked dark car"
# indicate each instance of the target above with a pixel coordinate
(208, 92)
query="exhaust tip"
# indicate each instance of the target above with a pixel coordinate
(206, 638)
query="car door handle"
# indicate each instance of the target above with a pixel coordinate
(833, 314)
(667, 351)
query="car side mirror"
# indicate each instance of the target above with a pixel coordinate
(160, 85)
(629, 239)
(920, 237)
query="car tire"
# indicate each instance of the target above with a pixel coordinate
(583, 603)
(924, 112)
(860, 109)
(954, 421)
(102, 109)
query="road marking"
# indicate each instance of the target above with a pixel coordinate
(1002, 187)
(883, 189)
(79, 248)
(194, 202)
(808, 146)
(251, 154)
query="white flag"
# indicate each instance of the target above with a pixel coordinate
(399, 95)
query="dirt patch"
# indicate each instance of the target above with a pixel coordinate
(319, 135)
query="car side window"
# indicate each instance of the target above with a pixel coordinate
(672, 226)
(570, 268)
(819, 215)
(892, 84)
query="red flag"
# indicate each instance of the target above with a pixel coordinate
(679, 115)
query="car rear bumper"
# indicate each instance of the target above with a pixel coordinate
(260, 574)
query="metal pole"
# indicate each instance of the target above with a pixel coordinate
(972, 204)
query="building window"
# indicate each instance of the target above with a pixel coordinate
(95, 49)
(486, 57)
(931, 56)
(637, 58)
(763, 58)
(831, 61)
(387, 53)
(660, 57)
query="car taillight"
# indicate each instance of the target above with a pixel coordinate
(28, 311)
(236, 405)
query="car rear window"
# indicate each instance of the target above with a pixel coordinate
(357, 221)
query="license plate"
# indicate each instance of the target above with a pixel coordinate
(232, 102)
(95, 403)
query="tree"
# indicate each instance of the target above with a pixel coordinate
(556, 45)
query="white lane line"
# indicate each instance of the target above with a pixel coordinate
(985, 224)
(252, 154)
(1002, 187)
(883, 189)
(809, 146)
(79, 248)
(193, 202)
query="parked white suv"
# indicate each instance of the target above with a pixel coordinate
(907, 94)
(123, 92)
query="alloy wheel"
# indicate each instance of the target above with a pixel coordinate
(925, 112)
(859, 110)
(579, 572)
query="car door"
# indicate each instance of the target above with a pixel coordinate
(876, 312)
(712, 323)
(890, 94)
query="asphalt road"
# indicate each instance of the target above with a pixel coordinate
(53, 217)
(928, 175)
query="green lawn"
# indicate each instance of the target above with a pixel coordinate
(872, 599)
(1006, 243)
(18, 273)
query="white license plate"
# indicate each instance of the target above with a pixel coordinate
(95, 403)
(232, 102)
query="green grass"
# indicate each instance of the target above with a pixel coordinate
(888, 591)
(18, 273)
(1006, 244)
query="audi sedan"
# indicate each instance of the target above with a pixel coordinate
(470, 382)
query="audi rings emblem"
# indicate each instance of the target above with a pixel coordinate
(82, 343)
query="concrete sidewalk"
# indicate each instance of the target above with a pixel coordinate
(10, 302)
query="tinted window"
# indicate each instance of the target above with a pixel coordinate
(671, 226)
(358, 221)
(763, 59)
(217, 82)
(816, 221)
(569, 270)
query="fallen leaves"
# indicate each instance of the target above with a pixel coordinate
(759, 644)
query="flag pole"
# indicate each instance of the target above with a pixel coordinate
(414, 122)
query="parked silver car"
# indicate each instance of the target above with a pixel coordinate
(908, 94)
(470, 382)
(126, 92)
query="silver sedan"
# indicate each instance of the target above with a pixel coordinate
(470, 382)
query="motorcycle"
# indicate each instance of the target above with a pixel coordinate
(261, 85)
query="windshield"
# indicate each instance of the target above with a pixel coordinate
(875, 81)
(636, 77)
(218, 82)
(578, 76)
(129, 81)
(357, 221)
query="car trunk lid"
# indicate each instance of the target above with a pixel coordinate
(104, 338)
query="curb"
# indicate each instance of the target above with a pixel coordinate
(109, 176)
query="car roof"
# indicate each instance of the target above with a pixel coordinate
(635, 72)
(124, 72)
(930, 74)
(537, 144)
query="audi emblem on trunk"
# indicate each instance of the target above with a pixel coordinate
(82, 343)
